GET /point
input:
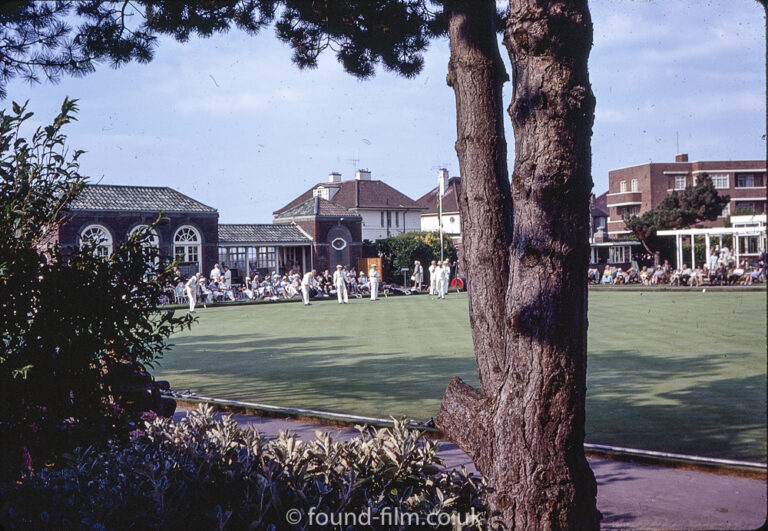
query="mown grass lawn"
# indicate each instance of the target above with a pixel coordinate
(673, 371)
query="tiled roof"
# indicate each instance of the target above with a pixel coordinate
(360, 194)
(135, 199)
(266, 233)
(600, 206)
(450, 197)
(317, 206)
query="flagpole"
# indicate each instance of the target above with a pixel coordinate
(440, 220)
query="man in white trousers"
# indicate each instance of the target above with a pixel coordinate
(340, 282)
(373, 277)
(307, 282)
(439, 280)
(433, 278)
(191, 288)
(446, 277)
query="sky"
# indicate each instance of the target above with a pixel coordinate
(231, 122)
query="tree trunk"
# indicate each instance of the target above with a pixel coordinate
(526, 275)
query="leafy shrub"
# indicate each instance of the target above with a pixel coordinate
(203, 473)
(75, 332)
(401, 251)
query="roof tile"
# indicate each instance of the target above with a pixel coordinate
(360, 194)
(450, 198)
(325, 208)
(255, 233)
(135, 199)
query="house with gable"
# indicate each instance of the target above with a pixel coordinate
(383, 210)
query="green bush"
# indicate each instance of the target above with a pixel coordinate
(76, 333)
(401, 251)
(203, 473)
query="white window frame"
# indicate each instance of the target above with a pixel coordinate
(680, 182)
(152, 243)
(717, 179)
(622, 187)
(100, 237)
(189, 250)
(322, 192)
(635, 186)
(154, 239)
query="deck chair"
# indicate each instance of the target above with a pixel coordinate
(179, 297)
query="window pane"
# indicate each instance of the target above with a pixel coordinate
(720, 180)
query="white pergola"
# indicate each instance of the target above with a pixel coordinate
(716, 232)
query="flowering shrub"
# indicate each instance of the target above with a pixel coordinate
(203, 473)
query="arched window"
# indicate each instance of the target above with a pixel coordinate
(152, 241)
(186, 246)
(99, 238)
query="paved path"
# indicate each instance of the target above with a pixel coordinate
(630, 495)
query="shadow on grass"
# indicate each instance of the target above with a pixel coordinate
(683, 404)
(305, 372)
(700, 405)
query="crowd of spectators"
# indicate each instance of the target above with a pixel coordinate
(218, 286)
(276, 287)
(721, 269)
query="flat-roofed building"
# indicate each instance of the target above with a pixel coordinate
(637, 189)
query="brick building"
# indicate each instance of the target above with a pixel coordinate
(190, 233)
(334, 230)
(637, 189)
(106, 214)
(383, 210)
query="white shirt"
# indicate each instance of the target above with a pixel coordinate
(215, 274)
(192, 284)
(373, 273)
(309, 279)
(228, 278)
(339, 277)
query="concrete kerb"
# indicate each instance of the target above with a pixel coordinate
(731, 467)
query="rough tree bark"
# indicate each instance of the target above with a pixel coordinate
(524, 428)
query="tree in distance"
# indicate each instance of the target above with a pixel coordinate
(525, 241)
(678, 210)
(398, 252)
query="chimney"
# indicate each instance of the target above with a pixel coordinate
(442, 181)
(363, 175)
(681, 157)
(334, 177)
(317, 205)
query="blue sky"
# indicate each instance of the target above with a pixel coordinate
(231, 122)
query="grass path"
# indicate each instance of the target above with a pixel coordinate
(681, 372)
